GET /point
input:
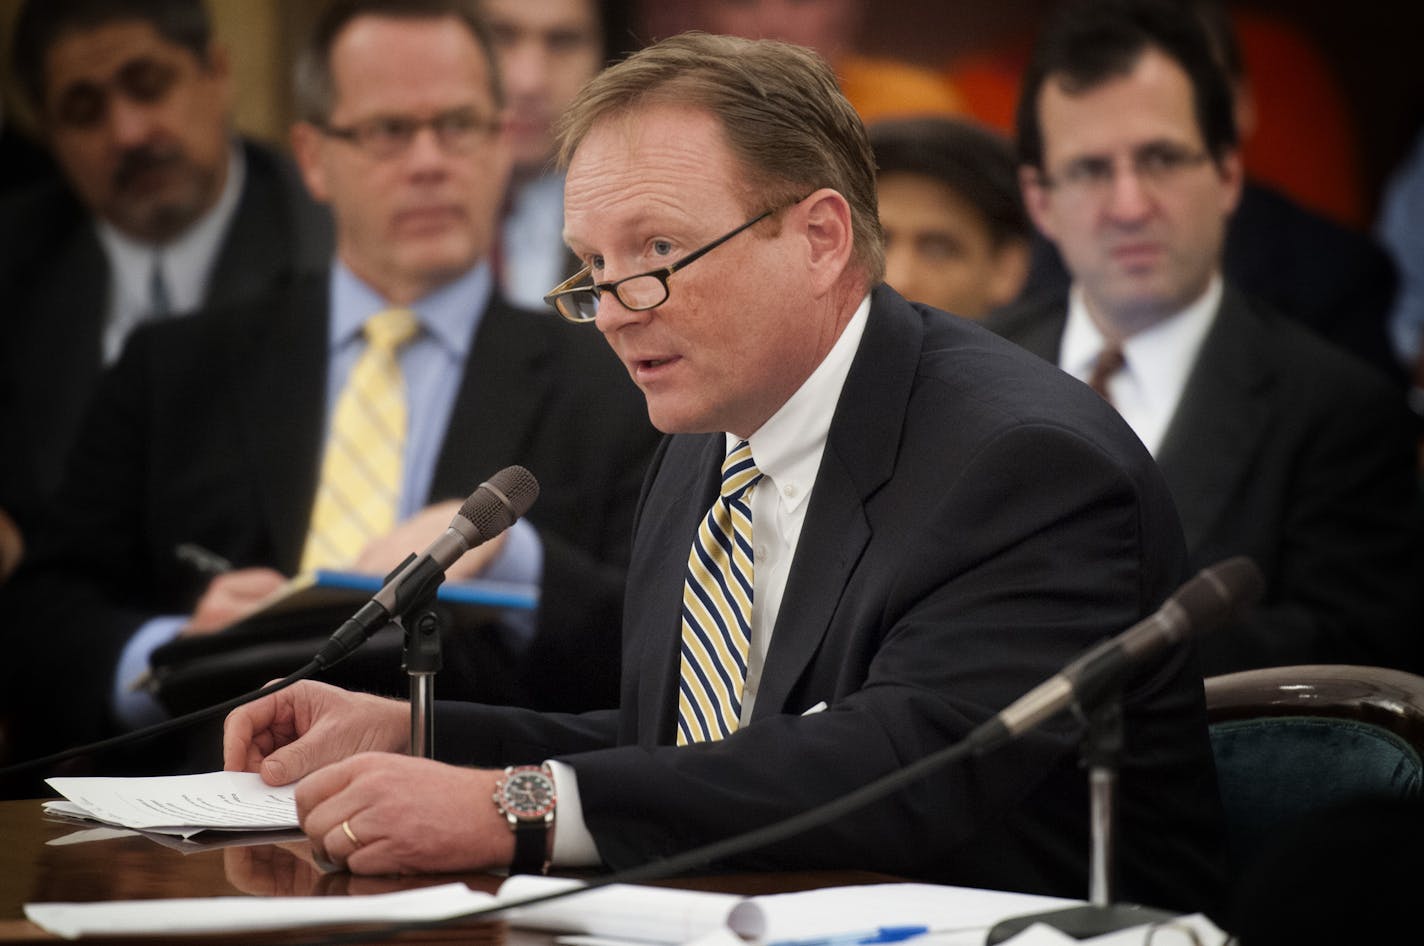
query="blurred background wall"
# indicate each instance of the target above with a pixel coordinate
(1372, 45)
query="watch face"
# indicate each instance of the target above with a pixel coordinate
(528, 794)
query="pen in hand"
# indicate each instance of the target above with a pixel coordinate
(203, 561)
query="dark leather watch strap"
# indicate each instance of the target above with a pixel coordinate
(531, 839)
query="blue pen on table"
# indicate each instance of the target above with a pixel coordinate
(881, 934)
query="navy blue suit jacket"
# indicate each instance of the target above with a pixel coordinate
(978, 520)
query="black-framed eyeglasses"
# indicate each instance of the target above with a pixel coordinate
(458, 130)
(637, 293)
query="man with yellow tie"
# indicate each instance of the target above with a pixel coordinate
(873, 526)
(339, 423)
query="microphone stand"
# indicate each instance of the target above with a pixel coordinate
(421, 659)
(1101, 752)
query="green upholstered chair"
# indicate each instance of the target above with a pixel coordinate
(1293, 741)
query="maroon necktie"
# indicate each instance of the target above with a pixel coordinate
(1109, 363)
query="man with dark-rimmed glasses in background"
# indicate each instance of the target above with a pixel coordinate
(1275, 444)
(226, 431)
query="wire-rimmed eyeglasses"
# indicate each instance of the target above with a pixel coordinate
(577, 300)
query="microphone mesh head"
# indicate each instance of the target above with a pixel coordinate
(498, 501)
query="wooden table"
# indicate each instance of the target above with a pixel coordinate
(135, 868)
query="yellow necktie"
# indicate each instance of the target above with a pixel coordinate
(717, 608)
(361, 468)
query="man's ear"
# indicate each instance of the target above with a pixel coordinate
(829, 236)
(307, 147)
(1233, 178)
(1037, 199)
(1008, 271)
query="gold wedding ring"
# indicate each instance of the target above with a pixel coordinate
(346, 829)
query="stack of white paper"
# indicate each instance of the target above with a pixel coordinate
(179, 804)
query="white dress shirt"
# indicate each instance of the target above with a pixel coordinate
(787, 449)
(1158, 360)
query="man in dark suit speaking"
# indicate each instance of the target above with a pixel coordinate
(915, 523)
(248, 430)
(1275, 444)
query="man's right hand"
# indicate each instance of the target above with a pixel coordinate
(232, 596)
(295, 731)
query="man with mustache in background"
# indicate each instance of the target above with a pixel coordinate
(337, 422)
(162, 210)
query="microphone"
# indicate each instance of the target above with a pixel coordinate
(491, 508)
(1216, 595)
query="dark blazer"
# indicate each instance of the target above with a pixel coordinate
(209, 430)
(1305, 266)
(54, 278)
(1287, 450)
(975, 523)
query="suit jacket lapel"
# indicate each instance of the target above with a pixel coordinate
(283, 365)
(510, 374)
(85, 304)
(1212, 439)
(861, 450)
(694, 477)
(257, 248)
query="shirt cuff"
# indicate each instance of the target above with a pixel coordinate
(521, 561)
(522, 558)
(573, 845)
(133, 705)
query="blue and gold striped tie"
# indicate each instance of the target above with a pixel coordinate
(717, 608)
(362, 466)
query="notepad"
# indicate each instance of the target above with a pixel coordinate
(323, 589)
(193, 672)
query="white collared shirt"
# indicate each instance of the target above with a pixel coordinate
(787, 449)
(1158, 360)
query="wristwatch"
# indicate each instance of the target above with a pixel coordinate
(525, 796)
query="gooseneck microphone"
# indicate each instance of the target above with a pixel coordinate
(491, 508)
(1216, 595)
